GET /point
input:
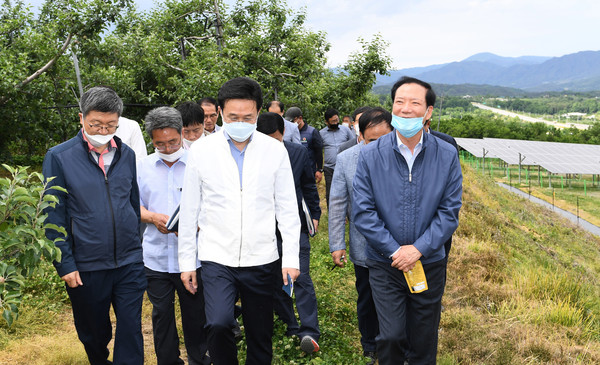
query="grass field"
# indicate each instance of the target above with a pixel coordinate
(522, 288)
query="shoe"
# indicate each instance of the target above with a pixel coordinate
(372, 355)
(309, 345)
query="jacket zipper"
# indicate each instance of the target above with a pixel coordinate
(112, 215)
(241, 225)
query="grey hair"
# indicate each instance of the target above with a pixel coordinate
(102, 99)
(163, 117)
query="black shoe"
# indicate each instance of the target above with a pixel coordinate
(309, 345)
(372, 355)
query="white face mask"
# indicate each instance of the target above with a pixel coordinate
(172, 157)
(98, 140)
(346, 124)
(187, 143)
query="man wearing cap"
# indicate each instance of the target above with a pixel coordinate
(291, 130)
(309, 138)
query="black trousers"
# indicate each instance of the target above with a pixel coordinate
(161, 291)
(255, 286)
(123, 288)
(368, 324)
(306, 300)
(408, 323)
(328, 172)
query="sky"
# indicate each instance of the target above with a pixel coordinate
(428, 32)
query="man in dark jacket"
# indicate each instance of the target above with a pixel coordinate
(102, 251)
(272, 124)
(407, 195)
(310, 138)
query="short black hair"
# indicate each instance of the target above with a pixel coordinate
(191, 113)
(269, 123)
(279, 103)
(373, 117)
(240, 88)
(429, 96)
(360, 110)
(330, 112)
(208, 100)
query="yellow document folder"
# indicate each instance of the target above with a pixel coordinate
(415, 278)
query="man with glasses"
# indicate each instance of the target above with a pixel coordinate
(101, 252)
(237, 184)
(211, 115)
(160, 178)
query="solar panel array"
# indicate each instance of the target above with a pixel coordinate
(558, 158)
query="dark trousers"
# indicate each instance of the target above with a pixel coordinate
(365, 310)
(408, 323)
(328, 172)
(306, 300)
(161, 291)
(124, 288)
(255, 286)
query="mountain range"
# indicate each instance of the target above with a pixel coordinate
(573, 72)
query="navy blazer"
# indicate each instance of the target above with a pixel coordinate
(304, 181)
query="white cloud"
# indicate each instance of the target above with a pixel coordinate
(428, 32)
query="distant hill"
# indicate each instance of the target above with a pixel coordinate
(574, 72)
(464, 89)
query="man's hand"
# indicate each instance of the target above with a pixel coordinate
(406, 258)
(339, 257)
(318, 176)
(316, 224)
(189, 281)
(72, 279)
(294, 273)
(160, 221)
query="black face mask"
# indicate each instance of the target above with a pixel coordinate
(334, 126)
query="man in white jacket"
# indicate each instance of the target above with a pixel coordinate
(237, 183)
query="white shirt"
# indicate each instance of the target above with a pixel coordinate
(405, 151)
(237, 226)
(160, 192)
(131, 134)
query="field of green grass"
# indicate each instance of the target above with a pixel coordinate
(522, 288)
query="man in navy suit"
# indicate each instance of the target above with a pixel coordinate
(272, 124)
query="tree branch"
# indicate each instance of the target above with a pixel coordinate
(45, 68)
(35, 75)
(171, 66)
(198, 38)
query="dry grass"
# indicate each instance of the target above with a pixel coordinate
(523, 288)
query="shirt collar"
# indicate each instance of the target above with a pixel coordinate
(400, 144)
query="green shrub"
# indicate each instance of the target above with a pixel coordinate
(23, 244)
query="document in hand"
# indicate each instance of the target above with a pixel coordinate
(173, 223)
(289, 288)
(309, 221)
(415, 278)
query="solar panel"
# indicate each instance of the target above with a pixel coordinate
(555, 157)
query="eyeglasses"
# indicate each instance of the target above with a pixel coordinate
(171, 145)
(99, 127)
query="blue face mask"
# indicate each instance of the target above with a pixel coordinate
(408, 127)
(239, 131)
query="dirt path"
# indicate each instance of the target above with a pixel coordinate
(60, 345)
